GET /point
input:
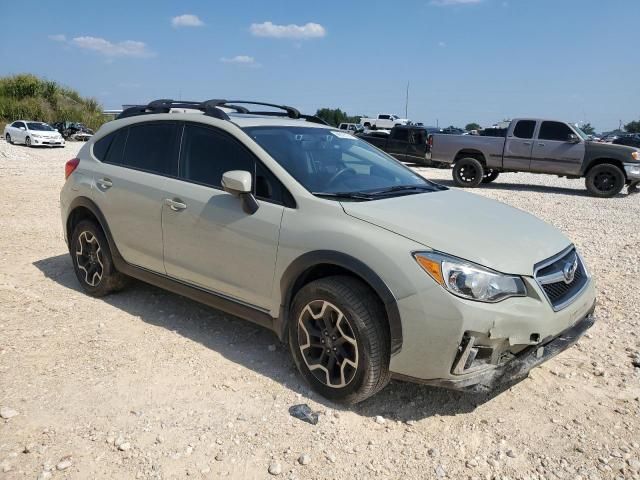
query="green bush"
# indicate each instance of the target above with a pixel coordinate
(28, 97)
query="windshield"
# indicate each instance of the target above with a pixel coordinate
(334, 162)
(581, 133)
(40, 127)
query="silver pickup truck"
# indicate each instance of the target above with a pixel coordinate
(538, 146)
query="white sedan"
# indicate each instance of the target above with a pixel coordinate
(33, 134)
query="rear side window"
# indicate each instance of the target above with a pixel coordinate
(151, 147)
(401, 134)
(524, 129)
(101, 147)
(554, 131)
(110, 149)
(208, 153)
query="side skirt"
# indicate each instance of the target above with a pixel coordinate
(215, 300)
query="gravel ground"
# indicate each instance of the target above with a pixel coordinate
(146, 384)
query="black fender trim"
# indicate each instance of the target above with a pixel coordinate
(216, 300)
(303, 263)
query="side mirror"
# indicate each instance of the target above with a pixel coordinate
(573, 138)
(22, 128)
(238, 183)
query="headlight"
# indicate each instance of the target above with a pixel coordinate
(635, 155)
(468, 280)
(36, 135)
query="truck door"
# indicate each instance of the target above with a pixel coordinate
(398, 142)
(558, 149)
(417, 147)
(518, 146)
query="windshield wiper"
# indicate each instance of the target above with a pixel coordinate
(405, 188)
(354, 195)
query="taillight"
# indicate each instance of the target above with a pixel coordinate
(70, 166)
(431, 140)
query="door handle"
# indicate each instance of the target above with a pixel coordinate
(526, 143)
(541, 144)
(175, 205)
(105, 183)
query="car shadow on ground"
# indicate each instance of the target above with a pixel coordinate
(519, 187)
(246, 344)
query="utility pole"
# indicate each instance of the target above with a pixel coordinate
(406, 103)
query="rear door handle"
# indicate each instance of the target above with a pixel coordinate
(541, 144)
(526, 143)
(105, 183)
(175, 205)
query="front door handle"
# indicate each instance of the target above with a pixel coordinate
(105, 183)
(541, 144)
(175, 204)
(526, 143)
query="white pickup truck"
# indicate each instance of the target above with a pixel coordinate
(384, 120)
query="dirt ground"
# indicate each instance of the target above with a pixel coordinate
(146, 384)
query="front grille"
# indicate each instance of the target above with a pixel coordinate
(562, 278)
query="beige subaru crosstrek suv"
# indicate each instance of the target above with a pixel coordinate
(365, 268)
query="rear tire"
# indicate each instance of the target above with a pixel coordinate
(490, 176)
(92, 261)
(8, 139)
(605, 180)
(339, 339)
(468, 172)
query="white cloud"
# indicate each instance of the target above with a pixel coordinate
(448, 3)
(301, 32)
(58, 38)
(127, 48)
(442, 44)
(244, 60)
(186, 20)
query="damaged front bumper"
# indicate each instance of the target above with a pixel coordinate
(518, 367)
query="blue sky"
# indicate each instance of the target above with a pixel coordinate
(466, 60)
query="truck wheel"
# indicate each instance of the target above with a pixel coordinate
(468, 172)
(490, 176)
(339, 339)
(604, 180)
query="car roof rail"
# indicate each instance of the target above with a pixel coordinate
(165, 105)
(214, 108)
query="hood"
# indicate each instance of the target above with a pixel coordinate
(609, 150)
(46, 133)
(468, 226)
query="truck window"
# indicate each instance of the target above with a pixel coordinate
(554, 131)
(383, 117)
(401, 134)
(524, 129)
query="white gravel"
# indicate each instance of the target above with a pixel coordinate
(192, 391)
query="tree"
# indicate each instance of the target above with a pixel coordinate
(335, 116)
(633, 127)
(472, 126)
(588, 129)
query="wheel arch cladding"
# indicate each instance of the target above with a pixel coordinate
(322, 263)
(601, 161)
(83, 208)
(470, 153)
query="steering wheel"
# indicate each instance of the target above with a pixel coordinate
(340, 173)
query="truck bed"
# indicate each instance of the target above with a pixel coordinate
(446, 148)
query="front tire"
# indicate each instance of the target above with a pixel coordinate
(92, 261)
(468, 172)
(27, 141)
(605, 180)
(339, 339)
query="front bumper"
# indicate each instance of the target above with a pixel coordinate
(519, 367)
(632, 170)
